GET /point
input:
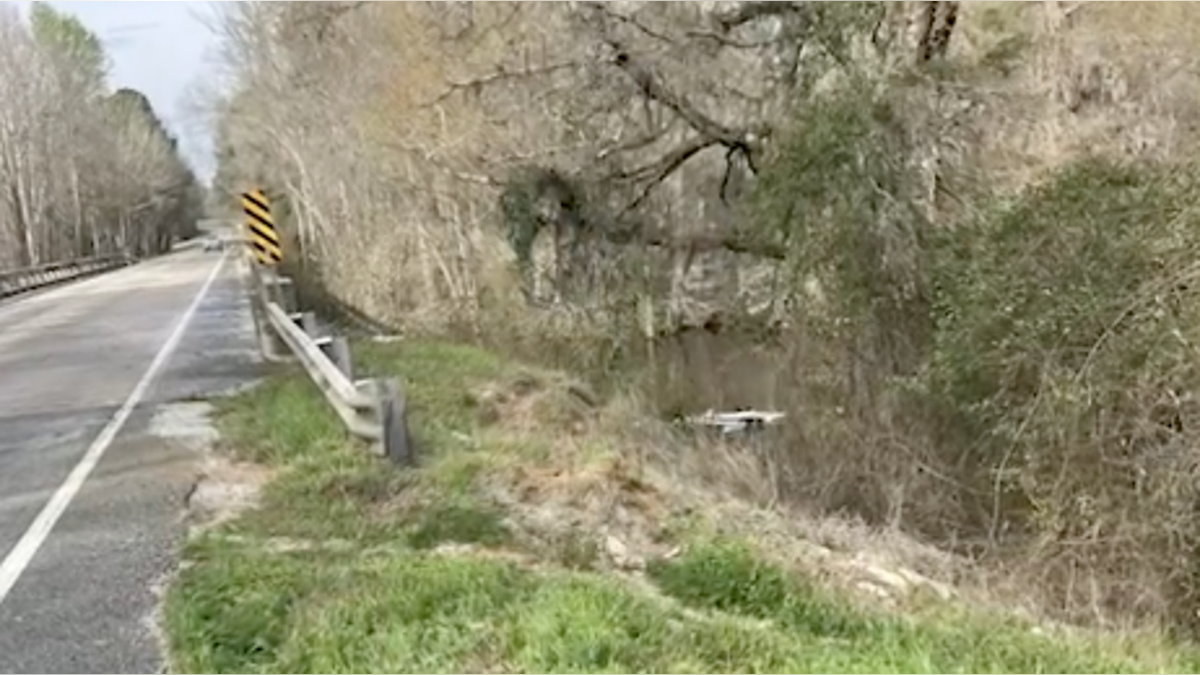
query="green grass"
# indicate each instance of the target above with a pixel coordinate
(385, 600)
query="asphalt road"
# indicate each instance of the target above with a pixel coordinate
(92, 488)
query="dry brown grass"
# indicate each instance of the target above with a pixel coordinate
(613, 479)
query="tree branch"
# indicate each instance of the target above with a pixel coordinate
(651, 84)
(629, 20)
(633, 144)
(672, 160)
(661, 169)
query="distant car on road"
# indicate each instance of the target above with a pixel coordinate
(214, 244)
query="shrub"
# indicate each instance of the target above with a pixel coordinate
(1064, 352)
(1023, 378)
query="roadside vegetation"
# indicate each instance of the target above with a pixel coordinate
(497, 554)
(954, 242)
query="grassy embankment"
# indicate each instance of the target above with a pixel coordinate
(484, 560)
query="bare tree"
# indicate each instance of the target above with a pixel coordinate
(79, 176)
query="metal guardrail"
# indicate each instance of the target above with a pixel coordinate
(15, 282)
(372, 409)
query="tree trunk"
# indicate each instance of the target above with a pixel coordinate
(80, 243)
(24, 218)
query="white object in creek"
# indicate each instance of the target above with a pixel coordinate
(738, 421)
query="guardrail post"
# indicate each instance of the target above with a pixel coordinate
(272, 346)
(288, 292)
(338, 350)
(308, 324)
(270, 286)
(335, 347)
(285, 293)
(371, 408)
(393, 414)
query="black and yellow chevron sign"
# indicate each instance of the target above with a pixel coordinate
(264, 238)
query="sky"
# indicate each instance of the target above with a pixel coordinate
(162, 49)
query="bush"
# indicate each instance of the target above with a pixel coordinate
(1064, 353)
(1022, 379)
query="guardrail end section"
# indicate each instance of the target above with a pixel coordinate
(397, 442)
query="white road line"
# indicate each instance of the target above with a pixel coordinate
(18, 559)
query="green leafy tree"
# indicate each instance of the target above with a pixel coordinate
(76, 54)
(167, 199)
(76, 67)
